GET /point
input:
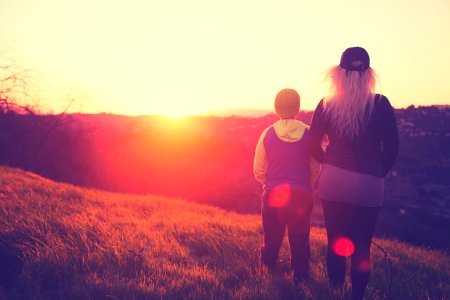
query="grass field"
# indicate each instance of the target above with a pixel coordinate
(58, 241)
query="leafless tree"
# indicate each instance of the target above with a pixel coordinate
(14, 89)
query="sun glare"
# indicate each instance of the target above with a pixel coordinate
(173, 122)
(176, 115)
(166, 105)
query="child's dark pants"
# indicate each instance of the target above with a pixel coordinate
(292, 209)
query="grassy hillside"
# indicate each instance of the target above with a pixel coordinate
(62, 242)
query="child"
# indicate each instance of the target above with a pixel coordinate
(282, 164)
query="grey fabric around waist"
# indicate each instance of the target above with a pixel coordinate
(337, 184)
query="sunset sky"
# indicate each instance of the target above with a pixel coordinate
(188, 57)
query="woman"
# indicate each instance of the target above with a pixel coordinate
(362, 148)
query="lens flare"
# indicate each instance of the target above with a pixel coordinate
(343, 246)
(280, 195)
(364, 266)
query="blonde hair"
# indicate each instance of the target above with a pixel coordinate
(350, 101)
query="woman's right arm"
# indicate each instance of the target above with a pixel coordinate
(317, 132)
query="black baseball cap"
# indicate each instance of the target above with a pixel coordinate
(355, 59)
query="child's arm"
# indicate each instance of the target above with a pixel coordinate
(314, 165)
(260, 160)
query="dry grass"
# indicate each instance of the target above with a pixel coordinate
(58, 241)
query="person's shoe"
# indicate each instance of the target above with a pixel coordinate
(269, 268)
(337, 284)
(300, 278)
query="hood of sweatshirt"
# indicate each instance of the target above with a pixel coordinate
(290, 130)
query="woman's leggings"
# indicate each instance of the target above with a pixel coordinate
(350, 229)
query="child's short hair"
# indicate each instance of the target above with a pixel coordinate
(287, 103)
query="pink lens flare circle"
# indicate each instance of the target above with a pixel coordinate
(343, 246)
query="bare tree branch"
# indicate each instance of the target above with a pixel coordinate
(15, 96)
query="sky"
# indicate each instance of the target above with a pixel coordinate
(187, 57)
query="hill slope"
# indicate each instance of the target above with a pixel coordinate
(59, 241)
